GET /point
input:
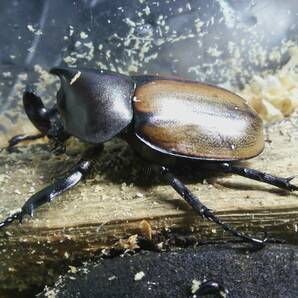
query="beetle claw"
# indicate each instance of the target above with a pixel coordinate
(291, 178)
(290, 186)
(18, 215)
(260, 242)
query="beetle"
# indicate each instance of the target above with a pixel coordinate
(165, 120)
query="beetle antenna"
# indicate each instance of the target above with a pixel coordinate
(10, 219)
(205, 212)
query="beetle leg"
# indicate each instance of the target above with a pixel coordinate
(22, 138)
(75, 175)
(283, 183)
(205, 212)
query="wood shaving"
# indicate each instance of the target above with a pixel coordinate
(195, 286)
(147, 229)
(275, 96)
(130, 243)
(139, 276)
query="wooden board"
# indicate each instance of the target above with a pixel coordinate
(113, 202)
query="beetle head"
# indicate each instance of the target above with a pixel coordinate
(94, 105)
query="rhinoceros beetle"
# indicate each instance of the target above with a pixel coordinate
(164, 119)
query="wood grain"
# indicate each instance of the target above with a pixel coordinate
(113, 202)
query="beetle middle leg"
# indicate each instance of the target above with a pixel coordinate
(283, 183)
(74, 176)
(203, 210)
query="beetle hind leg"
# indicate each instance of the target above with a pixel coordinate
(280, 182)
(205, 212)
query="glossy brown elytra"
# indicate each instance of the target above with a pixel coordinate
(163, 119)
(197, 121)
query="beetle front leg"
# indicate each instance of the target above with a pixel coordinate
(283, 183)
(22, 138)
(75, 175)
(205, 212)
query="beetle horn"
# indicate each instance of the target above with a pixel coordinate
(36, 111)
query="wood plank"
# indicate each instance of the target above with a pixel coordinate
(112, 203)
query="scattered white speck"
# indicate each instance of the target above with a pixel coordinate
(147, 10)
(78, 44)
(130, 22)
(6, 74)
(73, 269)
(75, 78)
(83, 35)
(30, 28)
(17, 192)
(195, 286)
(139, 276)
(35, 31)
(71, 30)
(112, 277)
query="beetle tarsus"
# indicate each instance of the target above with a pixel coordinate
(280, 182)
(205, 212)
(211, 287)
(10, 219)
